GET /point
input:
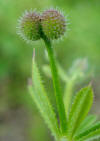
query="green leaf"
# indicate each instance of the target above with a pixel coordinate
(47, 71)
(39, 95)
(87, 122)
(80, 108)
(62, 74)
(90, 134)
(68, 95)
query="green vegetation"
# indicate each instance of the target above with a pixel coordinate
(17, 110)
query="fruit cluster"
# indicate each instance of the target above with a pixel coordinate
(51, 23)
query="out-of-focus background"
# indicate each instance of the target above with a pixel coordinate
(19, 117)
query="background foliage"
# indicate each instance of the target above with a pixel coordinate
(19, 117)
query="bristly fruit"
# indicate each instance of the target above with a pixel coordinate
(28, 27)
(53, 23)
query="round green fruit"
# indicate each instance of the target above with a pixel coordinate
(29, 25)
(53, 24)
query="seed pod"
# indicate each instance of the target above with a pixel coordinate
(28, 27)
(53, 24)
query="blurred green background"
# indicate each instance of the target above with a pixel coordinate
(19, 117)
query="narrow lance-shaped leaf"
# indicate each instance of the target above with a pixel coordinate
(40, 97)
(87, 123)
(90, 134)
(80, 108)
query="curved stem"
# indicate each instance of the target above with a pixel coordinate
(56, 84)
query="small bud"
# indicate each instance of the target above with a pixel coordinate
(28, 27)
(53, 24)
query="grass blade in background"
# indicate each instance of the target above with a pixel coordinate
(80, 108)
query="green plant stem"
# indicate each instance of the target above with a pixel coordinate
(58, 95)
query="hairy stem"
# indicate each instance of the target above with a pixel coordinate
(58, 95)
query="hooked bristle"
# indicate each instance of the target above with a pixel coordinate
(53, 24)
(28, 27)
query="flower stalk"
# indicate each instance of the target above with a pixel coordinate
(56, 83)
